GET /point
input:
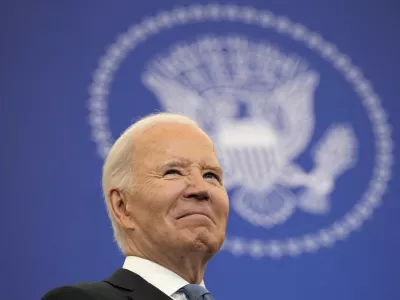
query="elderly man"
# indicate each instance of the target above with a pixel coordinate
(168, 206)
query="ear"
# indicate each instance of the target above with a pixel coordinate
(119, 208)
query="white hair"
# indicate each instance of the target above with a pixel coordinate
(117, 169)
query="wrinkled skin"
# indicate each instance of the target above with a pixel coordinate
(176, 212)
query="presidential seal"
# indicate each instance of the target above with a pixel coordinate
(286, 159)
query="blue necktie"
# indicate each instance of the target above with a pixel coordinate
(196, 292)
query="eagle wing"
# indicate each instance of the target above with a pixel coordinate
(291, 109)
(176, 98)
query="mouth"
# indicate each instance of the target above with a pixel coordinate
(191, 214)
(194, 213)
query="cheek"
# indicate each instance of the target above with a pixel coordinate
(162, 194)
(222, 204)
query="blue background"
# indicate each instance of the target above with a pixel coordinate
(55, 229)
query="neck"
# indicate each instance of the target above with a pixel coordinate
(190, 266)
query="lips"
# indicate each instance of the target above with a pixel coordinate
(194, 212)
(190, 214)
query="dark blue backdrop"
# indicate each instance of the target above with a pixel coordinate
(55, 229)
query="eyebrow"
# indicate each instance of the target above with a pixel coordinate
(174, 162)
(216, 169)
(183, 162)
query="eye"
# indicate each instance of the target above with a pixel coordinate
(211, 175)
(172, 171)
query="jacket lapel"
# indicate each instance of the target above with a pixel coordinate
(134, 286)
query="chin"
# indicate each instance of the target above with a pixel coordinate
(206, 242)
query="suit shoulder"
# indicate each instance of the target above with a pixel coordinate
(84, 291)
(67, 293)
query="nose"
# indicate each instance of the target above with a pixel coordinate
(197, 188)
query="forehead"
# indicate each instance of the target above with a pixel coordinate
(164, 141)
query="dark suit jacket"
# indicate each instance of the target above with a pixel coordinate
(122, 285)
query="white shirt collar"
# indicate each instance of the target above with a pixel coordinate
(162, 278)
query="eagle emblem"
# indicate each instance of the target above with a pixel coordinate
(257, 104)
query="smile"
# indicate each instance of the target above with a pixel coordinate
(194, 213)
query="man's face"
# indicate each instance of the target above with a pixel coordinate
(178, 199)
